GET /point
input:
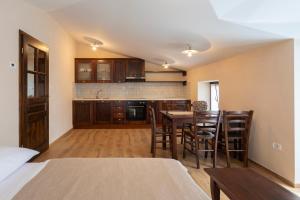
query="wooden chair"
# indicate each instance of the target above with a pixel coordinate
(237, 126)
(205, 128)
(157, 134)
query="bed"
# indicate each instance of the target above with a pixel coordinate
(102, 178)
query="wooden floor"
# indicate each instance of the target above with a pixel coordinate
(132, 143)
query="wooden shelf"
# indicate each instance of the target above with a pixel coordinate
(180, 72)
(183, 82)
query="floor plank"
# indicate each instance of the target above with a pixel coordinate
(133, 143)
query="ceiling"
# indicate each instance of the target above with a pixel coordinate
(158, 30)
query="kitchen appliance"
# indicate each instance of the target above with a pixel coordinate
(136, 110)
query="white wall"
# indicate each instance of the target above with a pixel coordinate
(297, 108)
(262, 80)
(15, 15)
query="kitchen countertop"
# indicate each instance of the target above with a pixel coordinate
(129, 99)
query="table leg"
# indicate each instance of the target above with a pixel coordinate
(215, 190)
(164, 126)
(174, 139)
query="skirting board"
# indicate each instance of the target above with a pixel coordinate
(277, 176)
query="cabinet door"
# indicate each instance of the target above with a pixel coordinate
(102, 112)
(82, 113)
(84, 71)
(104, 71)
(135, 68)
(119, 71)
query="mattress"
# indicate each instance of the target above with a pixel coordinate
(102, 178)
(15, 182)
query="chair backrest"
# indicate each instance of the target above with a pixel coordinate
(152, 119)
(238, 121)
(199, 106)
(208, 121)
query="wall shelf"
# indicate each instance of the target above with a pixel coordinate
(158, 72)
(183, 82)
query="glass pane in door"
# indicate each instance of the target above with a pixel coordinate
(103, 72)
(30, 85)
(30, 58)
(42, 85)
(41, 61)
(85, 72)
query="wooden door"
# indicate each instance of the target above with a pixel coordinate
(102, 112)
(34, 93)
(119, 71)
(82, 113)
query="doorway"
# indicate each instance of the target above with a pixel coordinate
(208, 91)
(33, 93)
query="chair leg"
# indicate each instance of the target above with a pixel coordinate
(154, 148)
(235, 145)
(182, 135)
(206, 147)
(152, 138)
(197, 153)
(184, 145)
(227, 150)
(215, 152)
(246, 154)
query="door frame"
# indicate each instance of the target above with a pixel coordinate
(22, 93)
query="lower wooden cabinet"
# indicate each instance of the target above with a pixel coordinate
(82, 113)
(102, 112)
(90, 114)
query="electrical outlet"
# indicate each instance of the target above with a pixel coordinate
(277, 146)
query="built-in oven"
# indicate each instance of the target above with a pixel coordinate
(136, 110)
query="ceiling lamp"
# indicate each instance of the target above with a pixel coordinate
(189, 51)
(166, 65)
(95, 46)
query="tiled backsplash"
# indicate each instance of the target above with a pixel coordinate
(130, 90)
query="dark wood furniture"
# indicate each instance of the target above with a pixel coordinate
(135, 70)
(118, 112)
(237, 126)
(204, 129)
(108, 70)
(33, 93)
(245, 184)
(157, 134)
(175, 120)
(119, 72)
(104, 113)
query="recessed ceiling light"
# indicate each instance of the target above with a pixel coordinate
(189, 51)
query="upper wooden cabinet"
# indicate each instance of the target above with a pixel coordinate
(104, 71)
(107, 70)
(119, 73)
(84, 71)
(135, 70)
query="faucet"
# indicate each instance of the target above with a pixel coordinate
(98, 94)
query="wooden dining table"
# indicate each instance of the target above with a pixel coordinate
(175, 119)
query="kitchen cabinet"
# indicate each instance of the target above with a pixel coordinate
(108, 70)
(119, 73)
(82, 113)
(84, 71)
(135, 70)
(104, 71)
(118, 112)
(98, 114)
(102, 112)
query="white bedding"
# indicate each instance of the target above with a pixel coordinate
(14, 183)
